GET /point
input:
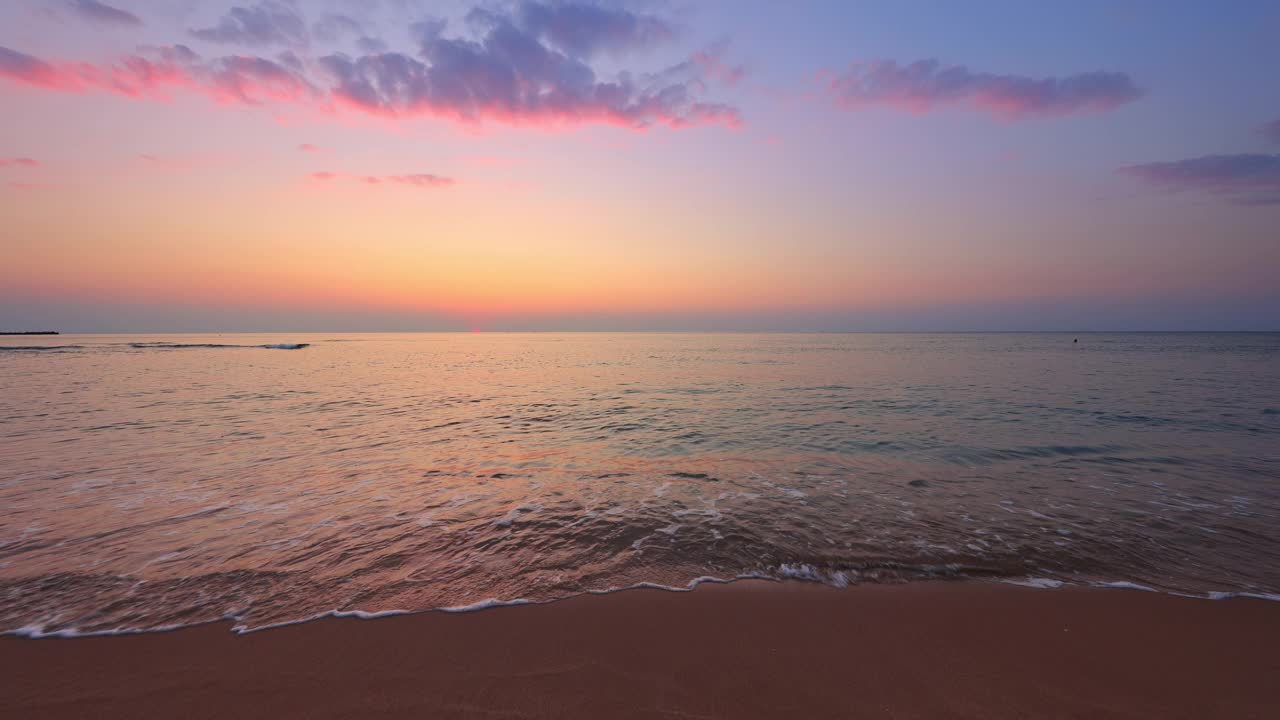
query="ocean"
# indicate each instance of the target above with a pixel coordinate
(150, 482)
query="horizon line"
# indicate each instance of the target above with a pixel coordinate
(654, 332)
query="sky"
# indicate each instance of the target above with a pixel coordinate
(370, 165)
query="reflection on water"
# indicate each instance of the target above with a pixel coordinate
(145, 485)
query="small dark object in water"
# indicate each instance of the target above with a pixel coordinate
(919, 483)
(1076, 340)
(693, 476)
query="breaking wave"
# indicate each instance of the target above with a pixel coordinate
(189, 346)
(39, 348)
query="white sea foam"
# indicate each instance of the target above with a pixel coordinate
(681, 588)
(485, 605)
(1035, 582)
(360, 614)
(1124, 585)
(798, 571)
(1273, 597)
(37, 631)
(808, 573)
(1049, 584)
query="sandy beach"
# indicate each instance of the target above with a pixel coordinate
(745, 650)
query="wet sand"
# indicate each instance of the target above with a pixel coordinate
(746, 650)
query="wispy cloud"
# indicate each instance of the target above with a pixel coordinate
(927, 85)
(184, 162)
(1271, 131)
(526, 67)
(309, 148)
(103, 14)
(371, 45)
(1248, 179)
(333, 27)
(583, 30)
(261, 25)
(237, 79)
(713, 66)
(24, 162)
(422, 180)
(28, 69)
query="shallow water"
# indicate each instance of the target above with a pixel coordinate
(147, 482)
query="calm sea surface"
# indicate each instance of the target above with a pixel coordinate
(148, 482)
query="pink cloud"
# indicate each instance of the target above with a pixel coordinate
(309, 148)
(712, 65)
(422, 180)
(183, 162)
(30, 70)
(19, 162)
(529, 66)
(927, 85)
(233, 79)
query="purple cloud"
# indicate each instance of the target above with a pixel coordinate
(332, 28)
(104, 14)
(927, 85)
(583, 30)
(251, 80)
(509, 70)
(1241, 179)
(510, 75)
(264, 24)
(371, 45)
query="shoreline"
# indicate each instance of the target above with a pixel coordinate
(742, 649)
(235, 627)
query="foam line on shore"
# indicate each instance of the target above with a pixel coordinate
(1039, 583)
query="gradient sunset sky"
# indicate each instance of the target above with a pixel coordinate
(335, 165)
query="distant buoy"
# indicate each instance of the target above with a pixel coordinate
(1076, 340)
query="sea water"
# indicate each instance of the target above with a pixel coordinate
(157, 481)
